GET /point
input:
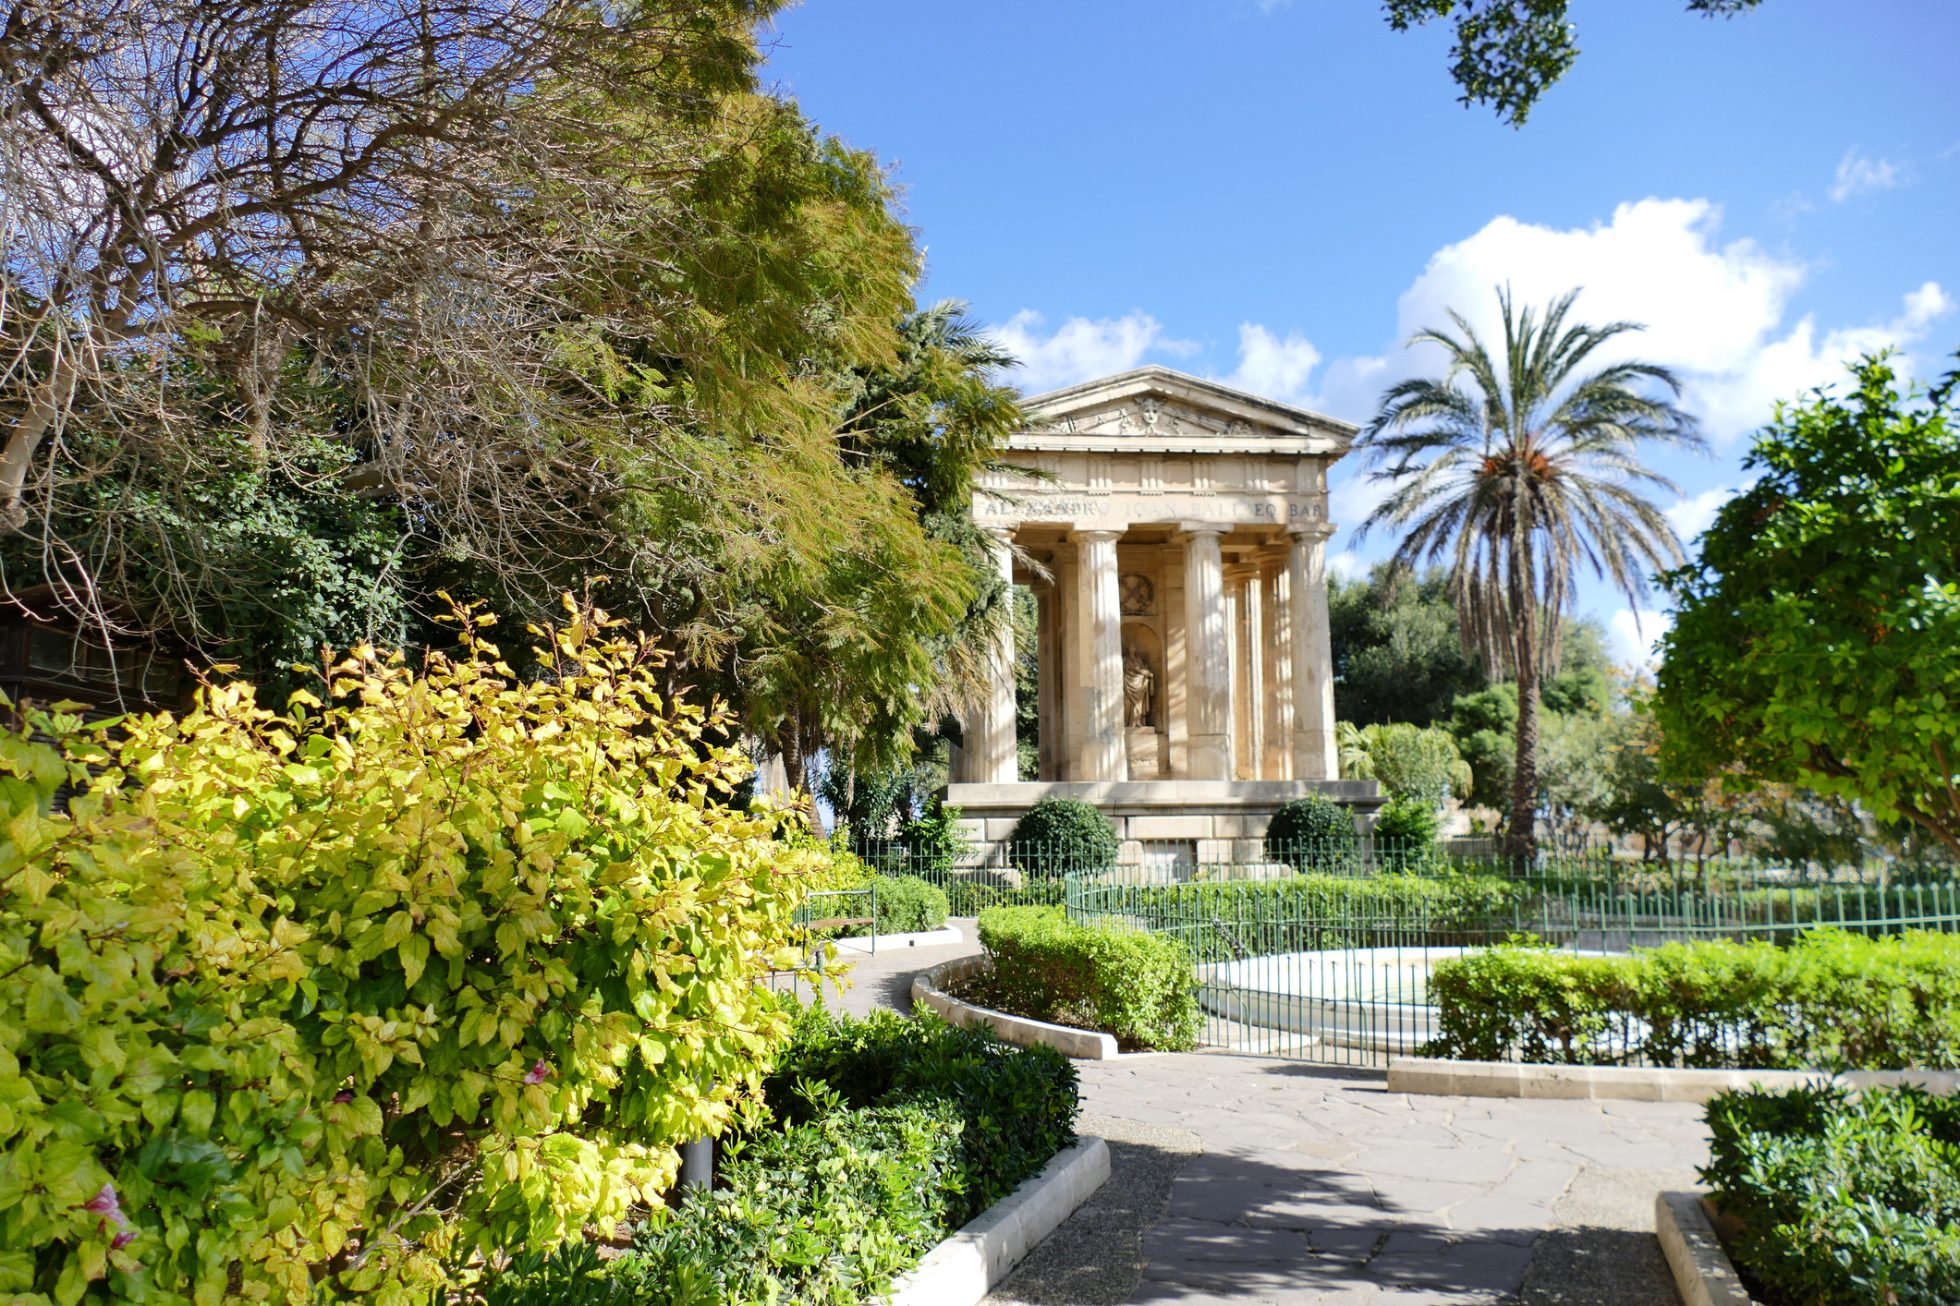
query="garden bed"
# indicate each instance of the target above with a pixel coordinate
(1829, 1196)
(885, 1137)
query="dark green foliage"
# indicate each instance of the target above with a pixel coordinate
(908, 904)
(1841, 1198)
(1829, 1000)
(1059, 835)
(891, 1134)
(1397, 655)
(1017, 1105)
(828, 1212)
(1119, 980)
(248, 563)
(1311, 834)
(1405, 835)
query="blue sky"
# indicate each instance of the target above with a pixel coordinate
(1277, 192)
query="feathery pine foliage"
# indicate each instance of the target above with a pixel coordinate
(430, 965)
(1518, 480)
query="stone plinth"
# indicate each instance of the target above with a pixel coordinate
(1146, 757)
(1201, 820)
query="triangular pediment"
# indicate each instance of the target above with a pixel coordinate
(1158, 408)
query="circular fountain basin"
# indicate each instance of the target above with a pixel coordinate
(1375, 999)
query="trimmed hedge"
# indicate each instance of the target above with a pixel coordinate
(1829, 1000)
(1218, 920)
(909, 905)
(1841, 1198)
(966, 897)
(1060, 835)
(1314, 833)
(1134, 985)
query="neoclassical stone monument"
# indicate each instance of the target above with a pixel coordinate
(1174, 532)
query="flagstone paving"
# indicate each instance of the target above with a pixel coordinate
(1253, 1179)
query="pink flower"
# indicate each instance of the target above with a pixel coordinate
(104, 1204)
(537, 1073)
(122, 1240)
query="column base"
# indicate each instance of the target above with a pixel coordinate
(1209, 757)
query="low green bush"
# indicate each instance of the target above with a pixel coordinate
(909, 905)
(348, 998)
(966, 897)
(1840, 1198)
(1060, 835)
(1405, 835)
(1136, 986)
(828, 1212)
(1218, 920)
(1829, 1000)
(1314, 833)
(887, 1134)
(1017, 1105)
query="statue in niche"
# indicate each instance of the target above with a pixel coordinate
(1139, 689)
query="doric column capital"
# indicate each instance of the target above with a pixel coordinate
(1093, 535)
(1203, 527)
(1313, 532)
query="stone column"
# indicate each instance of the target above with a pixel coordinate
(1048, 683)
(1313, 656)
(990, 756)
(1258, 637)
(1099, 627)
(1207, 654)
(1278, 761)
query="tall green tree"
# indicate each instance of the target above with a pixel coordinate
(1518, 469)
(1396, 652)
(1814, 641)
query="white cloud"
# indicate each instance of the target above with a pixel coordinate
(1694, 514)
(1348, 565)
(1081, 349)
(1270, 366)
(1858, 174)
(1713, 311)
(1804, 359)
(1633, 635)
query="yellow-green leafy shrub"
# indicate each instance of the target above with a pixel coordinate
(433, 964)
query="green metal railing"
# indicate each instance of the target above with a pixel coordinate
(1336, 968)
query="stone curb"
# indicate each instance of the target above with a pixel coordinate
(864, 943)
(1703, 1274)
(1082, 1044)
(1443, 1077)
(961, 1270)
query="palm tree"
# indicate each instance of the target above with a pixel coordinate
(1518, 469)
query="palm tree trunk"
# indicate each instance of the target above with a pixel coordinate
(1521, 835)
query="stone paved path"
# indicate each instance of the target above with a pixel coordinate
(1252, 1179)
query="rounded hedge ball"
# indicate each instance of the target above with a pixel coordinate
(1059, 835)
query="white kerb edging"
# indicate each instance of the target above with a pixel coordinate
(1703, 1274)
(964, 1268)
(927, 991)
(1444, 1077)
